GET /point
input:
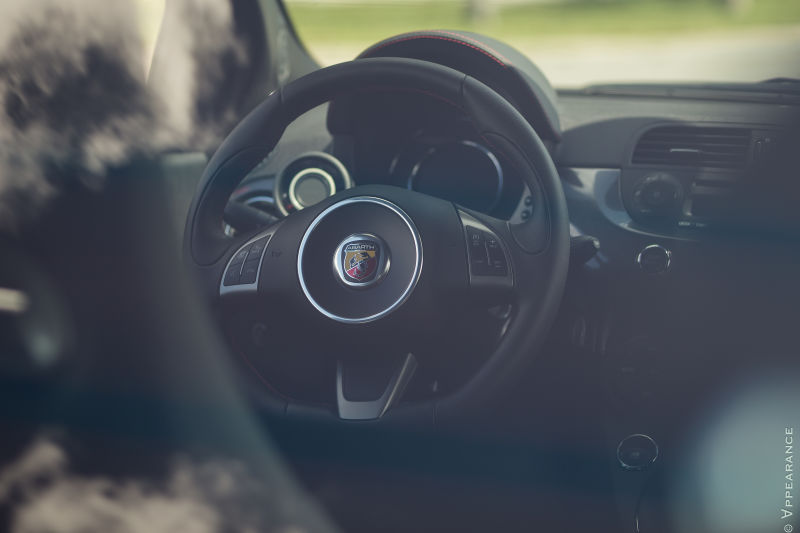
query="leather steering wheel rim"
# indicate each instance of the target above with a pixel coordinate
(539, 246)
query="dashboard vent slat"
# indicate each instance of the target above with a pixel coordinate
(694, 146)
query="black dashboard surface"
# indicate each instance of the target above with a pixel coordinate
(599, 130)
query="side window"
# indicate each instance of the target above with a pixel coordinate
(150, 14)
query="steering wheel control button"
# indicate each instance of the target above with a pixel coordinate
(250, 271)
(361, 260)
(241, 274)
(486, 255)
(343, 264)
(232, 275)
(489, 265)
(654, 259)
(240, 256)
(637, 452)
(497, 258)
(258, 247)
(478, 256)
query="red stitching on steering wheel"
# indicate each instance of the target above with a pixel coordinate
(494, 56)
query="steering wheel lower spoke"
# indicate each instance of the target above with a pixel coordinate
(365, 390)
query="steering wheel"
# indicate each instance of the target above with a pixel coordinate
(382, 265)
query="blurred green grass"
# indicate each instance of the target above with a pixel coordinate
(342, 24)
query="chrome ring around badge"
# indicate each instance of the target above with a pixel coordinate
(361, 260)
(403, 283)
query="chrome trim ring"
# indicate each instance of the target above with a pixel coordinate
(311, 170)
(625, 465)
(667, 255)
(417, 262)
(485, 151)
(281, 178)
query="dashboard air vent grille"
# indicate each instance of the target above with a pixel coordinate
(692, 146)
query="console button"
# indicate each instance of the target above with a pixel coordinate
(659, 195)
(654, 259)
(232, 275)
(637, 452)
(250, 270)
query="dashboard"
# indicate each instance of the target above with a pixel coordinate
(677, 176)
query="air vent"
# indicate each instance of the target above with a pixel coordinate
(691, 146)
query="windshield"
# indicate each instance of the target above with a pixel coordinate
(582, 42)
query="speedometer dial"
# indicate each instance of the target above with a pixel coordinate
(463, 172)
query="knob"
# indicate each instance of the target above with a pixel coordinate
(637, 452)
(658, 195)
(654, 259)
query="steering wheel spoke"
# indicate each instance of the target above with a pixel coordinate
(366, 389)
